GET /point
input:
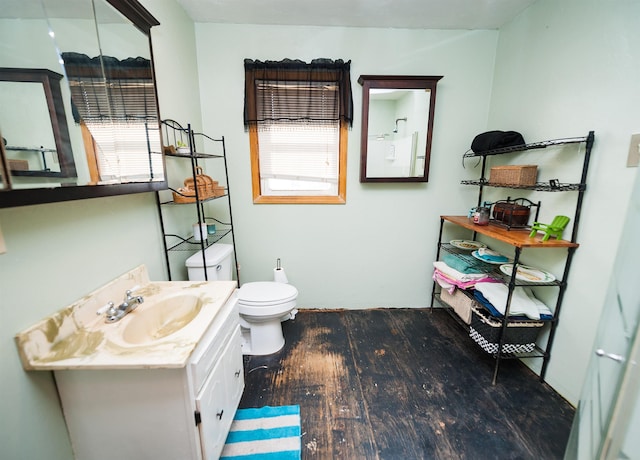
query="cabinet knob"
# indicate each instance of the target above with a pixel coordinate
(237, 374)
(219, 414)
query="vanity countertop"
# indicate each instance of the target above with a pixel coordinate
(76, 338)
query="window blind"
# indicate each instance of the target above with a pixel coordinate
(299, 151)
(316, 101)
(294, 90)
(119, 108)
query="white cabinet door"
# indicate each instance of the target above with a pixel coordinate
(235, 366)
(219, 398)
(211, 403)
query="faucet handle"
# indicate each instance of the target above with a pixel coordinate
(128, 292)
(100, 311)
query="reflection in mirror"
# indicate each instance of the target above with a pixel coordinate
(100, 55)
(36, 140)
(397, 121)
(113, 103)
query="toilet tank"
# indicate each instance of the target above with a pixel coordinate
(218, 263)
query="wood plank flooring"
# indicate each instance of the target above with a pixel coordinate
(404, 384)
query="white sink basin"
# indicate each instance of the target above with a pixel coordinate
(161, 332)
(161, 319)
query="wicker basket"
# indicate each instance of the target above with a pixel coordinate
(460, 303)
(168, 150)
(520, 336)
(207, 188)
(514, 175)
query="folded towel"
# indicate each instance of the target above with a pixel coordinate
(444, 283)
(466, 264)
(545, 312)
(455, 274)
(450, 284)
(521, 304)
(489, 306)
(493, 256)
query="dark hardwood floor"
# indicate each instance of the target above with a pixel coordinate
(404, 384)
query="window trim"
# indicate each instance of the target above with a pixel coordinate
(259, 198)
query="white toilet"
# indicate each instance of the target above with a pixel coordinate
(263, 305)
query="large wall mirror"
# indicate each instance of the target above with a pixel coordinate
(78, 106)
(397, 123)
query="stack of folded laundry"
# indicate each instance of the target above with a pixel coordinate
(493, 296)
(460, 271)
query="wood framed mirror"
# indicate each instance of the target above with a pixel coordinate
(397, 125)
(39, 144)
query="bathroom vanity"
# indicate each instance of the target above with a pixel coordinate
(163, 382)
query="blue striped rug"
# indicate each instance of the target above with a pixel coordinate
(264, 434)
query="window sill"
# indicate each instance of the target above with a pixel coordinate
(299, 199)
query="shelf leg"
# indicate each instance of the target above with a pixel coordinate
(505, 320)
(433, 289)
(556, 313)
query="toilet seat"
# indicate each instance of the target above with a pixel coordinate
(266, 293)
(266, 300)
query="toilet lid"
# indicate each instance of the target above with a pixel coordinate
(266, 293)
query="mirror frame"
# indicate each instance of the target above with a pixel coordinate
(144, 21)
(395, 82)
(53, 94)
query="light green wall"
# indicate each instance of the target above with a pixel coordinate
(377, 249)
(564, 68)
(57, 253)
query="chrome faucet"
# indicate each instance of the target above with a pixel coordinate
(129, 304)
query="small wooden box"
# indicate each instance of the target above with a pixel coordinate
(18, 165)
(514, 175)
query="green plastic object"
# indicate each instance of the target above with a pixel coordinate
(555, 228)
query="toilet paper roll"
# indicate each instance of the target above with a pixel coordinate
(279, 275)
(199, 232)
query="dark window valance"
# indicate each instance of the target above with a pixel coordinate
(295, 91)
(81, 65)
(124, 91)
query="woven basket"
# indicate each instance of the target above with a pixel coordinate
(520, 336)
(514, 175)
(205, 185)
(460, 303)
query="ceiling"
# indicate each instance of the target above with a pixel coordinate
(404, 14)
(410, 14)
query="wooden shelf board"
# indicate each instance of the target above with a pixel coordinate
(515, 237)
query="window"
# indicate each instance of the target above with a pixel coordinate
(118, 117)
(297, 115)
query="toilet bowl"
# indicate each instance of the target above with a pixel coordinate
(262, 305)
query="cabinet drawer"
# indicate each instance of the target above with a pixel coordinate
(212, 345)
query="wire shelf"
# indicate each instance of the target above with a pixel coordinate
(539, 186)
(531, 146)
